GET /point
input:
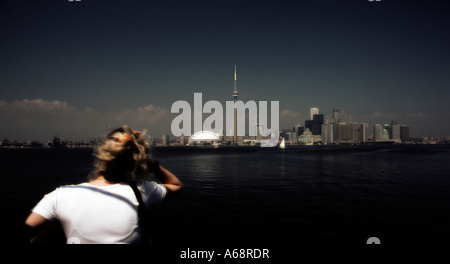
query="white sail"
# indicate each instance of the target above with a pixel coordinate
(282, 144)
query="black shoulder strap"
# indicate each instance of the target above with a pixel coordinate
(141, 212)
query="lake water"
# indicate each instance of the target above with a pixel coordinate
(309, 195)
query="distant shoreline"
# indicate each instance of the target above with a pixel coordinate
(239, 149)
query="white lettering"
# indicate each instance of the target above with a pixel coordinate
(255, 120)
(200, 254)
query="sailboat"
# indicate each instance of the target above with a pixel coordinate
(282, 144)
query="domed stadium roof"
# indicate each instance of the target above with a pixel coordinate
(204, 136)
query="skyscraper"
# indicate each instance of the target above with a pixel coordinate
(404, 133)
(395, 132)
(328, 132)
(377, 133)
(336, 115)
(299, 129)
(314, 111)
(340, 116)
(386, 132)
(363, 133)
(317, 122)
(308, 124)
(347, 133)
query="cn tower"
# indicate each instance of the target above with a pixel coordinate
(235, 97)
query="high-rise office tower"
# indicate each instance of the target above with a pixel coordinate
(347, 132)
(404, 133)
(314, 111)
(340, 117)
(335, 114)
(386, 132)
(299, 129)
(363, 133)
(317, 122)
(377, 132)
(395, 132)
(308, 124)
(328, 132)
(324, 135)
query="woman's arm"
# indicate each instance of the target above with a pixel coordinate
(35, 220)
(168, 179)
(26, 232)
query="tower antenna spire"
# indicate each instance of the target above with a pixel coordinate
(235, 91)
(235, 97)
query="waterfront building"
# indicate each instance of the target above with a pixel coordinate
(346, 133)
(395, 132)
(165, 140)
(204, 138)
(327, 132)
(340, 117)
(291, 138)
(335, 115)
(404, 133)
(308, 125)
(299, 129)
(306, 138)
(377, 133)
(182, 139)
(316, 125)
(363, 133)
(386, 132)
(284, 132)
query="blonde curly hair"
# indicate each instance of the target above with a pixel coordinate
(123, 155)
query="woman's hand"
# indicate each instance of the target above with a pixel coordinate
(168, 179)
(136, 133)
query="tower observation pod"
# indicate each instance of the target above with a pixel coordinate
(235, 91)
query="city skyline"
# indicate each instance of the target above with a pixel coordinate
(78, 69)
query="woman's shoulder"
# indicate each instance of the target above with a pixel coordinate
(152, 190)
(73, 186)
(146, 184)
(84, 186)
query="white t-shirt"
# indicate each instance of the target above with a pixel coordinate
(99, 214)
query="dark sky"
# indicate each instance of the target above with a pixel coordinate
(76, 69)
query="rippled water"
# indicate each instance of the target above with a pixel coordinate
(399, 194)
